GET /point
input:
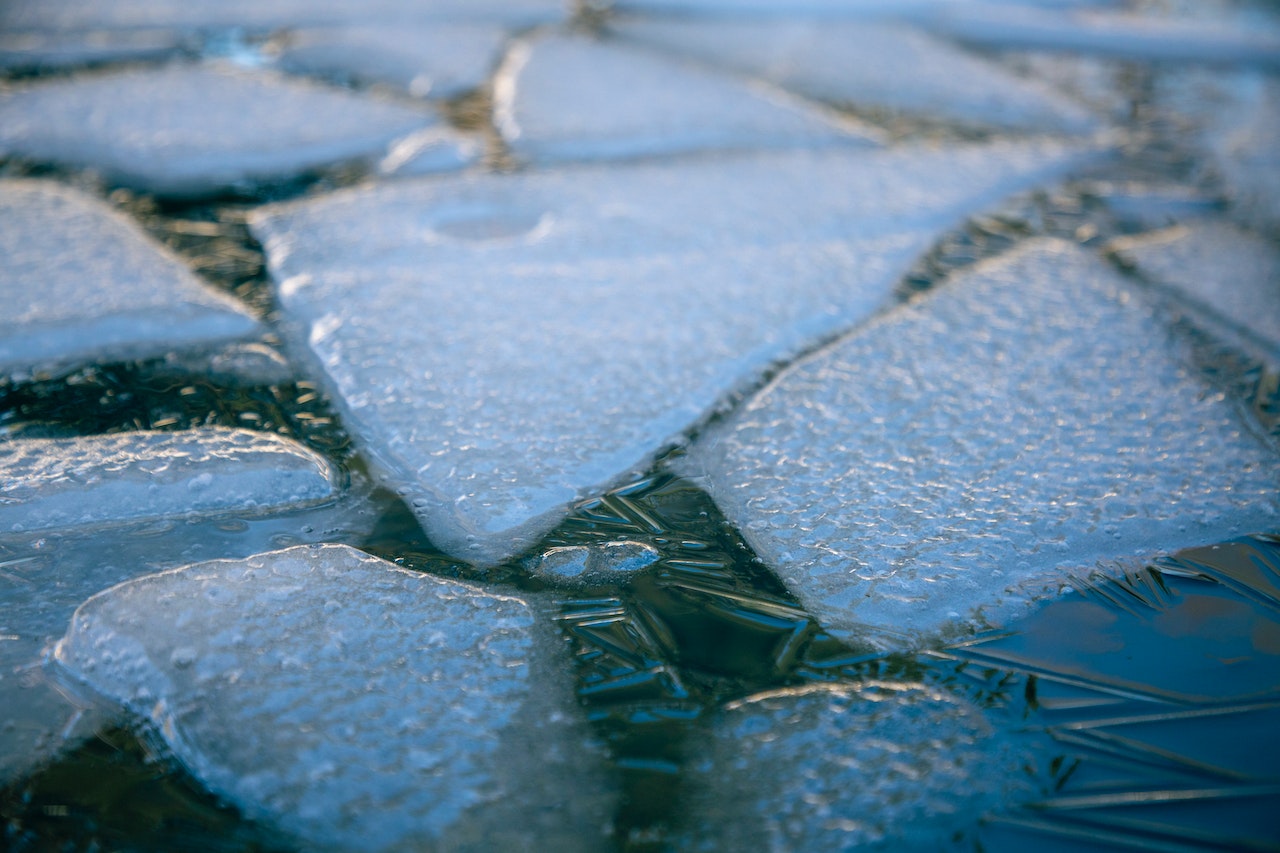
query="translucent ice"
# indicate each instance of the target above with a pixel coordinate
(564, 98)
(191, 130)
(879, 766)
(604, 562)
(352, 703)
(72, 482)
(1033, 414)
(79, 281)
(871, 65)
(503, 345)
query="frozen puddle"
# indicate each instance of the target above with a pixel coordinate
(562, 98)
(503, 345)
(351, 703)
(1031, 416)
(193, 130)
(80, 281)
(887, 765)
(871, 65)
(72, 482)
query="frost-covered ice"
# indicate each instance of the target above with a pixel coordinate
(603, 562)
(870, 65)
(134, 476)
(891, 765)
(439, 60)
(354, 704)
(42, 51)
(1030, 416)
(566, 98)
(80, 281)
(504, 345)
(194, 130)
(1230, 272)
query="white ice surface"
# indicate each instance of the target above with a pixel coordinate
(869, 65)
(885, 766)
(1232, 273)
(80, 281)
(504, 345)
(135, 476)
(955, 456)
(195, 130)
(439, 60)
(354, 704)
(576, 98)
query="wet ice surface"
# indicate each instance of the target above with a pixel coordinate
(72, 482)
(81, 282)
(870, 65)
(559, 99)
(353, 703)
(424, 321)
(954, 457)
(193, 130)
(572, 562)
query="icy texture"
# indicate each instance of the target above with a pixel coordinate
(79, 281)
(503, 345)
(1031, 415)
(893, 765)
(41, 51)
(562, 98)
(71, 482)
(352, 703)
(870, 65)
(604, 562)
(191, 130)
(436, 60)
(828, 9)
(1231, 272)
(1247, 155)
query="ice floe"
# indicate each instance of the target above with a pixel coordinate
(886, 765)
(133, 476)
(198, 130)
(80, 281)
(352, 703)
(567, 98)
(504, 345)
(871, 66)
(956, 456)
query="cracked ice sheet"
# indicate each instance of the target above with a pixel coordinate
(81, 282)
(953, 458)
(869, 65)
(439, 60)
(840, 767)
(1233, 273)
(504, 345)
(352, 703)
(564, 98)
(193, 130)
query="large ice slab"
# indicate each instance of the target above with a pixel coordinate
(870, 65)
(440, 60)
(134, 476)
(566, 98)
(352, 703)
(505, 344)
(1033, 415)
(883, 766)
(80, 281)
(195, 130)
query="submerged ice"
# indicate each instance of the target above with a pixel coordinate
(953, 457)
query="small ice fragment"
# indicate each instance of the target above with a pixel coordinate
(602, 562)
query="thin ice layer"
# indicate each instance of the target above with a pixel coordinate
(354, 704)
(439, 60)
(503, 345)
(872, 66)
(566, 98)
(50, 483)
(81, 282)
(1233, 273)
(1032, 415)
(883, 766)
(195, 130)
